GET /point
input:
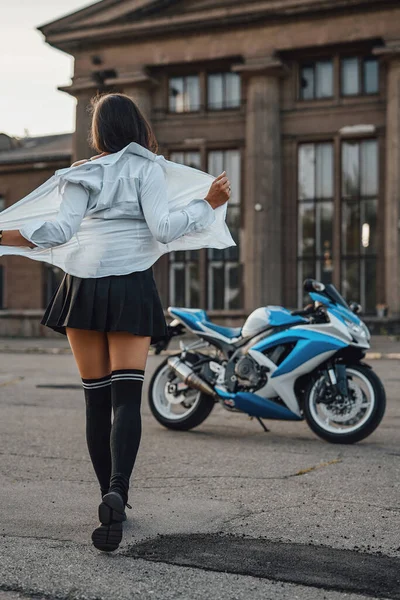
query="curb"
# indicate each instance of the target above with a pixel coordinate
(60, 351)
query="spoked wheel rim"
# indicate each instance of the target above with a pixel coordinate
(342, 418)
(172, 398)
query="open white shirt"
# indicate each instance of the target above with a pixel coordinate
(117, 214)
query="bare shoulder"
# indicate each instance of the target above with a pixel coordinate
(79, 162)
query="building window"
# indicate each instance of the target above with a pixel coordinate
(316, 80)
(359, 76)
(224, 91)
(184, 266)
(224, 270)
(315, 213)
(359, 222)
(1, 287)
(52, 279)
(184, 94)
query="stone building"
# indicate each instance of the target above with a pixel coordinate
(299, 100)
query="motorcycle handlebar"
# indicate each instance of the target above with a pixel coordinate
(304, 312)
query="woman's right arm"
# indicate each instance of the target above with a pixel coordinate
(167, 226)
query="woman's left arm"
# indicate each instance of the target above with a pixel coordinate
(46, 234)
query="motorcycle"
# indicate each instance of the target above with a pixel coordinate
(283, 365)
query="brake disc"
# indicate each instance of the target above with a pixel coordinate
(175, 392)
(344, 410)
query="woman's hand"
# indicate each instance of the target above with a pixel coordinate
(12, 237)
(219, 192)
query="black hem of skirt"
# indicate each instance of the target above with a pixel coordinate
(125, 303)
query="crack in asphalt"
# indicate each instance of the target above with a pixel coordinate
(315, 566)
(357, 503)
(43, 457)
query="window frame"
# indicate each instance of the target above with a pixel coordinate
(359, 199)
(224, 108)
(361, 60)
(202, 73)
(312, 62)
(316, 258)
(184, 77)
(204, 262)
(363, 55)
(338, 257)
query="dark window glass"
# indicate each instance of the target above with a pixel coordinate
(359, 244)
(350, 77)
(184, 271)
(371, 76)
(224, 269)
(1, 286)
(52, 279)
(315, 213)
(223, 91)
(316, 80)
(184, 94)
(2, 202)
(359, 76)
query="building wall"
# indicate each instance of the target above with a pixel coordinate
(23, 279)
(268, 145)
(267, 130)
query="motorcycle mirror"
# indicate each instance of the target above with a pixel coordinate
(311, 285)
(355, 308)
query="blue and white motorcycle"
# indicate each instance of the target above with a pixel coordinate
(305, 364)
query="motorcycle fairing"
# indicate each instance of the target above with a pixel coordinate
(197, 321)
(309, 344)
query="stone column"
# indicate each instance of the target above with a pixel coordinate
(391, 56)
(262, 243)
(138, 85)
(83, 119)
(83, 89)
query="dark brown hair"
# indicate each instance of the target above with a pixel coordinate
(117, 121)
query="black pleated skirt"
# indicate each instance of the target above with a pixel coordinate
(116, 303)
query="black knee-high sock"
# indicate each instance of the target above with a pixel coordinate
(98, 427)
(126, 431)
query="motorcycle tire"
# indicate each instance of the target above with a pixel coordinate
(203, 408)
(370, 424)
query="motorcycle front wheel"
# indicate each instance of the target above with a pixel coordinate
(174, 404)
(346, 420)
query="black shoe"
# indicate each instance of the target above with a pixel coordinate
(108, 535)
(104, 492)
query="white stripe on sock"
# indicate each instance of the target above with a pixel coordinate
(127, 376)
(91, 386)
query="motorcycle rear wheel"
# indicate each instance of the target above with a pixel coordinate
(199, 405)
(364, 411)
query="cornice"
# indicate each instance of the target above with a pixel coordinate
(268, 65)
(67, 34)
(82, 84)
(391, 49)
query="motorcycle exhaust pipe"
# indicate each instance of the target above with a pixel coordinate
(189, 377)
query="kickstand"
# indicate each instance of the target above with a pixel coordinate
(262, 425)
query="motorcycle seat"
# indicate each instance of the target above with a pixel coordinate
(197, 319)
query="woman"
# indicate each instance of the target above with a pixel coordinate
(113, 221)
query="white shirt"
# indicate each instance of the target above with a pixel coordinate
(117, 214)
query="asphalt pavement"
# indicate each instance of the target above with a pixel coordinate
(225, 511)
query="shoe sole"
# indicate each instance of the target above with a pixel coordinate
(107, 537)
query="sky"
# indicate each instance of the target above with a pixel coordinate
(31, 71)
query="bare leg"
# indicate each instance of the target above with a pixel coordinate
(127, 351)
(90, 350)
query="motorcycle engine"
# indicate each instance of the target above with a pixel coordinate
(249, 373)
